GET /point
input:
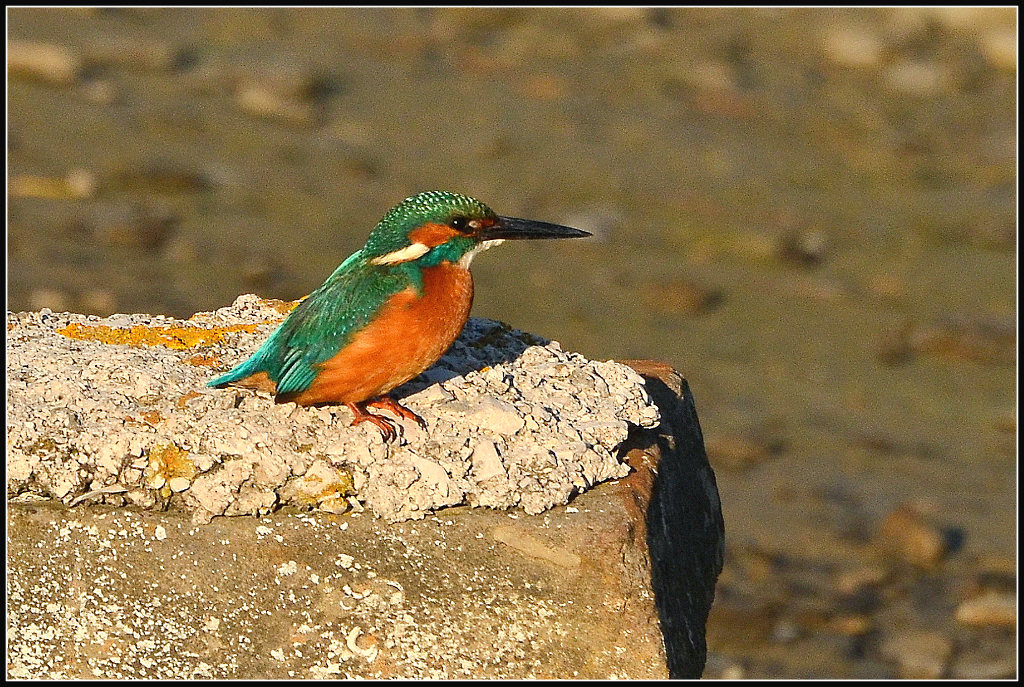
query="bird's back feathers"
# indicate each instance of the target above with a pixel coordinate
(324, 323)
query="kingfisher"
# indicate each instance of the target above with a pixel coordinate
(388, 312)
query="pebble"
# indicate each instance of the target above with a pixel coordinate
(544, 87)
(334, 504)
(164, 176)
(805, 248)
(734, 452)
(258, 100)
(51, 298)
(893, 347)
(98, 301)
(990, 609)
(851, 46)
(969, 19)
(53, 64)
(999, 46)
(260, 270)
(619, 15)
(284, 91)
(351, 132)
(179, 250)
(681, 297)
(137, 226)
(707, 76)
(852, 581)
(851, 625)
(984, 668)
(917, 78)
(913, 537)
(890, 286)
(785, 631)
(102, 91)
(906, 24)
(733, 671)
(77, 184)
(137, 54)
(919, 654)
(983, 339)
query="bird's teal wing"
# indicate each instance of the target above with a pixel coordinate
(322, 325)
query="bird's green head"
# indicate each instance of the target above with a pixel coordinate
(437, 226)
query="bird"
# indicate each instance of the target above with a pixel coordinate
(388, 312)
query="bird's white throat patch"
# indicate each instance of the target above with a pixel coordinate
(417, 250)
(467, 257)
(410, 252)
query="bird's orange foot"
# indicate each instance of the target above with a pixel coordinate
(391, 405)
(387, 429)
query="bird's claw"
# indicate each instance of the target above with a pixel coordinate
(393, 406)
(387, 428)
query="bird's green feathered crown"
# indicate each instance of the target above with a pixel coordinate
(438, 207)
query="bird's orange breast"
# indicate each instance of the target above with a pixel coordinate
(409, 334)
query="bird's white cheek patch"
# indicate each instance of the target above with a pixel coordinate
(410, 252)
(483, 245)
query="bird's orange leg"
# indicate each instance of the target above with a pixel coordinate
(387, 429)
(391, 405)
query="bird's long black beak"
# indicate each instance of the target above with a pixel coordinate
(515, 228)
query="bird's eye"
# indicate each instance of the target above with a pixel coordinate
(459, 223)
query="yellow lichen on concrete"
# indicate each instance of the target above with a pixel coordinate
(343, 486)
(178, 338)
(323, 487)
(168, 464)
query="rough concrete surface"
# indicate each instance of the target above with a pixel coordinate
(116, 410)
(137, 588)
(115, 593)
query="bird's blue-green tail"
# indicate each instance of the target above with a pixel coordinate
(250, 367)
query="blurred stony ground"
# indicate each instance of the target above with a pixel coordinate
(810, 213)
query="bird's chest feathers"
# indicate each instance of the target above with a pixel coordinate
(410, 332)
(436, 305)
